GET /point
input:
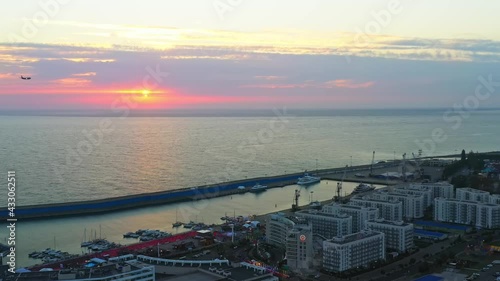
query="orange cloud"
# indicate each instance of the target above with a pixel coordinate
(72, 82)
(347, 83)
(270, 77)
(85, 74)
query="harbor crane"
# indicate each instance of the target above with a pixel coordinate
(295, 206)
(417, 165)
(373, 162)
(403, 167)
(339, 186)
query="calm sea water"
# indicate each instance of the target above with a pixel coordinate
(60, 159)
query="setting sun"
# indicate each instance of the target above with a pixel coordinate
(146, 93)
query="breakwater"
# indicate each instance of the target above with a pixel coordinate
(170, 196)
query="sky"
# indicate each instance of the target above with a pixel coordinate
(242, 54)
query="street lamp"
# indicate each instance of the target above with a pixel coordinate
(351, 160)
(311, 197)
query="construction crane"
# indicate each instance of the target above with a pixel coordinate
(339, 186)
(403, 167)
(295, 206)
(373, 162)
(417, 164)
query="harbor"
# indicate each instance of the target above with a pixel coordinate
(66, 233)
(192, 193)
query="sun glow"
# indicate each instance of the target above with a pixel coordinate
(145, 93)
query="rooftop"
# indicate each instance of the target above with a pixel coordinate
(433, 234)
(386, 222)
(326, 215)
(441, 225)
(472, 190)
(354, 237)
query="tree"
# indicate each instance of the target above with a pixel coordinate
(412, 260)
(463, 158)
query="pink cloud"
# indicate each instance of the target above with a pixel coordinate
(340, 83)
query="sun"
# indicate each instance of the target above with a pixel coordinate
(145, 93)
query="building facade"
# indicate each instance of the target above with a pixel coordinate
(359, 214)
(299, 247)
(412, 205)
(353, 250)
(398, 235)
(388, 210)
(471, 194)
(483, 215)
(277, 228)
(426, 192)
(440, 189)
(327, 225)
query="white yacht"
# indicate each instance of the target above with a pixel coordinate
(308, 179)
(363, 187)
(258, 188)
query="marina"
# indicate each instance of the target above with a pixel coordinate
(38, 234)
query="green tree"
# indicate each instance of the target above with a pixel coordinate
(463, 158)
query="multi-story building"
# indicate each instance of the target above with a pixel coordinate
(398, 235)
(413, 205)
(484, 215)
(440, 189)
(299, 247)
(277, 229)
(353, 250)
(359, 214)
(495, 199)
(327, 225)
(426, 192)
(471, 194)
(389, 210)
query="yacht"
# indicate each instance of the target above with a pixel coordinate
(258, 188)
(315, 205)
(308, 179)
(363, 187)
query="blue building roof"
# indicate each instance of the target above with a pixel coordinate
(431, 234)
(441, 225)
(429, 278)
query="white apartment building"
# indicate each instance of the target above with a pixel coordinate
(327, 225)
(471, 194)
(389, 210)
(353, 250)
(398, 235)
(299, 247)
(277, 228)
(359, 214)
(413, 205)
(440, 189)
(426, 192)
(483, 215)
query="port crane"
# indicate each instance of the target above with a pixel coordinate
(403, 167)
(373, 162)
(417, 165)
(339, 186)
(295, 206)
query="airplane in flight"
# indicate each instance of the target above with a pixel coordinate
(25, 78)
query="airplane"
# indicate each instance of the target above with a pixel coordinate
(25, 78)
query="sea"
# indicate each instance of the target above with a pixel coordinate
(65, 157)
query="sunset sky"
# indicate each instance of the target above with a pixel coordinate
(246, 54)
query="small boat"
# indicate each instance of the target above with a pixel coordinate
(189, 224)
(363, 187)
(128, 235)
(177, 223)
(258, 188)
(315, 205)
(308, 179)
(86, 244)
